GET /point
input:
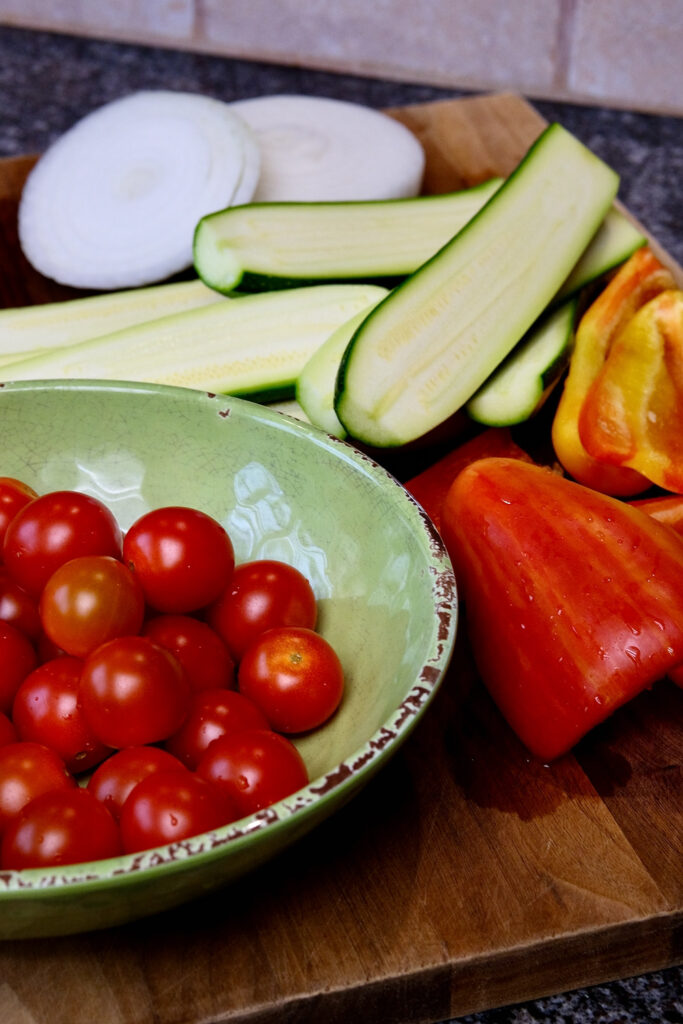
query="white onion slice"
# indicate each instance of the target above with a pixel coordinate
(317, 149)
(114, 202)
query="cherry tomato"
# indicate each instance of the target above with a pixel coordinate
(17, 658)
(53, 529)
(46, 710)
(294, 676)
(133, 692)
(14, 494)
(167, 807)
(114, 780)
(61, 827)
(263, 594)
(18, 608)
(90, 600)
(8, 734)
(254, 768)
(183, 558)
(198, 648)
(26, 771)
(213, 713)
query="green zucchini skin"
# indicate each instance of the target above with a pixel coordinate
(267, 246)
(521, 384)
(424, 350)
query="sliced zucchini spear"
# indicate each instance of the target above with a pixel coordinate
(424, 350)
(255, 346)
(522, 382)
(262, 246)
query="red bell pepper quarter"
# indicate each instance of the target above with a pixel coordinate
(431, 486)
(573, 599)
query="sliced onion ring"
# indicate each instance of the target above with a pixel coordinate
(319, 149)
(113, 203)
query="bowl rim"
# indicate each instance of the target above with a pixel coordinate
(340, 781)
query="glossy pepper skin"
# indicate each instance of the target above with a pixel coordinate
(573, 599)
(640, 279)
(633, 413)
(431, 486)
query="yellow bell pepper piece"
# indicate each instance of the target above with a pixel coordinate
(641, 278)
(633, 413)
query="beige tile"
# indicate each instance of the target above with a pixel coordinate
(509, 44)
(628, 52)
(149, 19)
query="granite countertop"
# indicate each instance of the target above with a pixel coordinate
(48, 81)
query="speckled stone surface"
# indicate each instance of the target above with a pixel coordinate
(47, 82)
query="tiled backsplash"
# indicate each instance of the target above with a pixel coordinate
(622, 53)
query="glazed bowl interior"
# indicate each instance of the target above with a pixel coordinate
(386, 595)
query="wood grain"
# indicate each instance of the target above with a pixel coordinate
(465, 876)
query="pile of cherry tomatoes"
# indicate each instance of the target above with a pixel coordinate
(148, 684)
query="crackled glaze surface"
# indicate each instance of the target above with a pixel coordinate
(384, 584)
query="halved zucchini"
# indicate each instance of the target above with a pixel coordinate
(425, 349)
(254, 346)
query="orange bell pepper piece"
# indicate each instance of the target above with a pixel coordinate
(633, 413)
(640, 279)
(667, 509)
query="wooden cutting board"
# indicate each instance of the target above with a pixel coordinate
(465, 876)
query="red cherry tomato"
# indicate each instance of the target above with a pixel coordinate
(18, 608)
(17, 658)
(213, 713)
(90, 600)
(14, 494)
(133, 692)
(263, 594)
(61, 827)
(254, 768)
(8, 734)
(294, 676)
(114, 780)
(198, 648)
(53, 529)
(46, 710)
(167, 807)
(182, 557)
(26, 771)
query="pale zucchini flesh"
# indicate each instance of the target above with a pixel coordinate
(425, 349)
(27, 331)
(253, 346)
(519, 386)
(262, 246)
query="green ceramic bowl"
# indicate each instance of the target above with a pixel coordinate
(384, 583)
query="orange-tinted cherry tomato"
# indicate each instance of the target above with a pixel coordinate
(263, 594)
(90, 600)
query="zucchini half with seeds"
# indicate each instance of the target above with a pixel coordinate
(424, 350)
